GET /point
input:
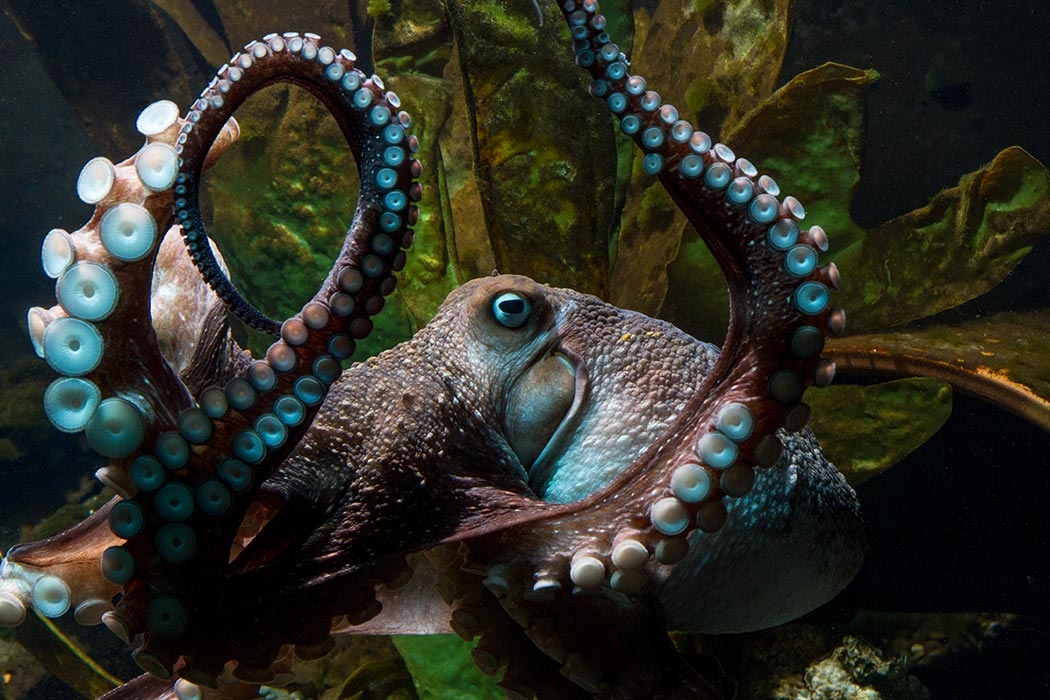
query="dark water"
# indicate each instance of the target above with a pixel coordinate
(961, 525)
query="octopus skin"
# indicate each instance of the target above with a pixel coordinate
(535, 468)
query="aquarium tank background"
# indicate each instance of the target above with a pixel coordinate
(881, 147)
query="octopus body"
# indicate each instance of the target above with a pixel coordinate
(554, 476)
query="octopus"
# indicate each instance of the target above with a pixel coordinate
(555, 477)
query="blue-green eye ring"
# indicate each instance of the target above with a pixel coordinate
(511, 310)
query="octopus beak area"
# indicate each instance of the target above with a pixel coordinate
(543, 406)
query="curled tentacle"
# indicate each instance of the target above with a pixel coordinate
(628, 534)
(368, 116)
(61, 573)
(241, 432)
(189, 477)
(118, 382)
(195, 542)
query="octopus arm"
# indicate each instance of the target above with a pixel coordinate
(189, 455)
(626, 536)
(597, 646)
(144, 687)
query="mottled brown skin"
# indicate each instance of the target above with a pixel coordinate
(423, 426)
(421, 429)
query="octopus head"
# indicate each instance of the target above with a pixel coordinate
(579, 388)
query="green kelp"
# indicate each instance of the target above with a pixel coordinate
(24, 429)
(734, 52)
(959, 246)
(545, 159)
(809, 137)
(1003, 358)
(444, 670)
(865, 430)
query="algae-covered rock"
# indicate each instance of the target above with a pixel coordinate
(926, 639)
(856, 671)
(805, 661)
(865, 430)
(809, 137)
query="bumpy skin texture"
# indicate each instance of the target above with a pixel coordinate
(550, 474)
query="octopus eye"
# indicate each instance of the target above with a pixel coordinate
(511, 309)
